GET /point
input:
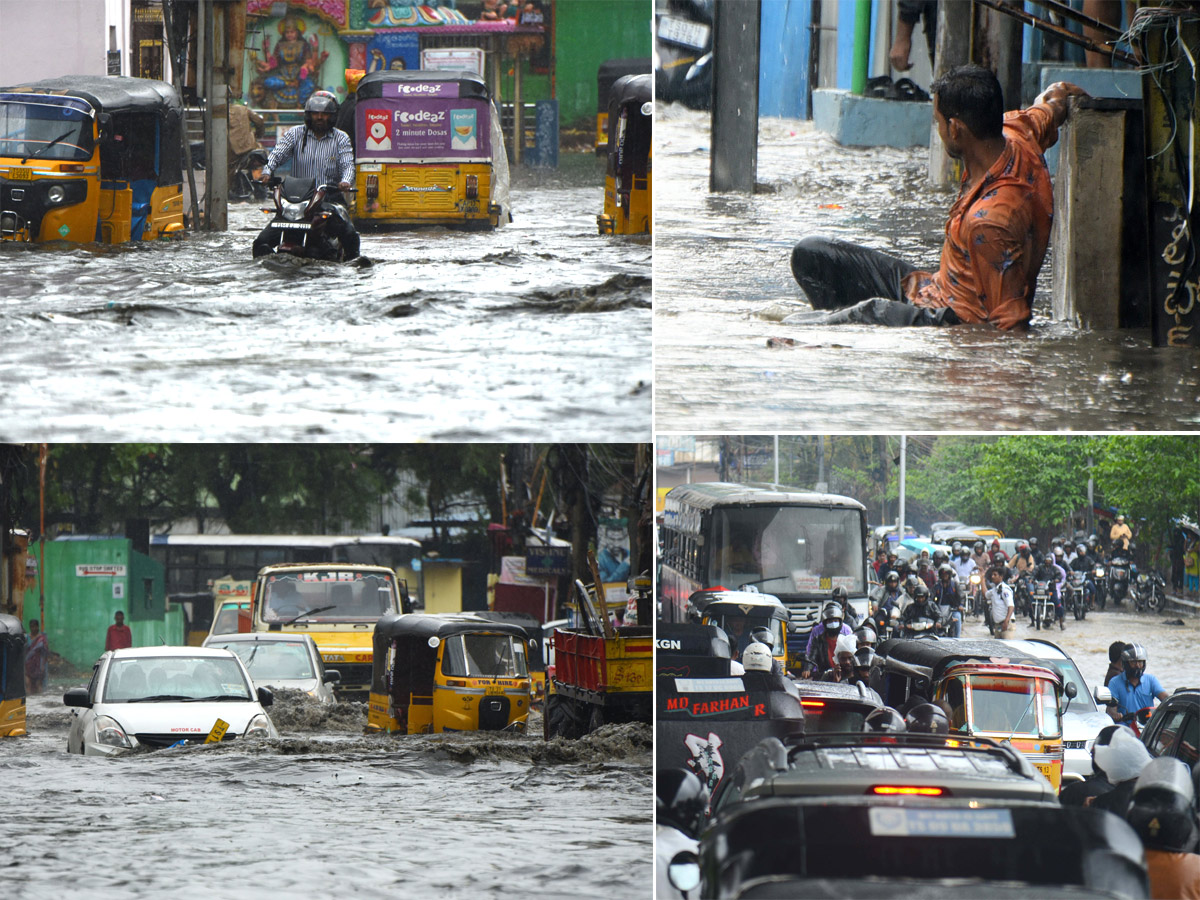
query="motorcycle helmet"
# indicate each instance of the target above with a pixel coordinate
(866, 636)
(321, 103)
(926, 718)
(864, 658)
(892, 578)
(831, 615)
(840, 595)
(955, 547)
(763, 635)
(1033, 543)
(939, 557)
(1133, 658)
(1161, 811)
(884, 719)
(680, 800)
(1081, 550)
(1118, 754)
(945, 569)
(921, 593)
(911, 582)
(964, 552)
(979, 547)
(757, 657)
(1058, 552)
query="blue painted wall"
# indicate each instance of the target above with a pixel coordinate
(785, 51)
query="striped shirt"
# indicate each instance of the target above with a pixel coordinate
(328, 159)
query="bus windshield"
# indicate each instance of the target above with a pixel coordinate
(366, 553)
(44, 131)
(328, 596)
(787, 549)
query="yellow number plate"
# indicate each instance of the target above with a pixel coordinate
(1046, 770)
(826, 583)
(218, 732)
(16, 174)
(492, 689)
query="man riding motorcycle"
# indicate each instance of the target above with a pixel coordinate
(1084, 563)
(1134, 688)
(820, 653)
(1052, 572)
(920, 609)
(321, 152)
(963, 564)
(998, 556)
(980, 556)
(945, 593)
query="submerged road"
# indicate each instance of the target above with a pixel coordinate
(540, 328)
(725, 362)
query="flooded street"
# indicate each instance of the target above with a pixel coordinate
(325, 811)
(724, 361)
(540, 327)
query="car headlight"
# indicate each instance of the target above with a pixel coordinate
(259, 727)
(294, 212)
(56, 194)
(109, 732)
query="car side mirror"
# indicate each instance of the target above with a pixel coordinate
(332, 676)
(265, 697)
(77, 697)
(684, 871)
(1103, 696)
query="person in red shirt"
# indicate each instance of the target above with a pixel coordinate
(119, 636)
(996, 234)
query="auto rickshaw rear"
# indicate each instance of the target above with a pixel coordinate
(12, 677)
(627, 183)
(428, 151)
(85, 158)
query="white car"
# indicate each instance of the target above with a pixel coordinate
(1083, 719)
(277, 660)
(162, 696)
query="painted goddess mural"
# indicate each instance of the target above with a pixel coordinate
(289, 74)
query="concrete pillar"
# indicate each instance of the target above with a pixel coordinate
(953, 48)
(998, 38)
(734, 163)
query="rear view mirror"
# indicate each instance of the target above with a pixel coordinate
(265, 697)
(684, 871)
(77, 697)
(1103, 696)
(332, 676)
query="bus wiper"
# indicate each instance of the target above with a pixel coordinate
(311, 612)
(763, 580)
(62, 136)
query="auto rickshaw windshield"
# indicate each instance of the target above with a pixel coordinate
(35, 130)
(484, 656)
(1016, 706)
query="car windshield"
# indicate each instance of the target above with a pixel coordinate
(484, 656)
(1006, 704)
(226, 621)
(329, 596)
(45, 130)
(268, 660)
(164, 678)
(788, 549)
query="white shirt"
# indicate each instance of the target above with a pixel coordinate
(1000, 600)
(963, 568)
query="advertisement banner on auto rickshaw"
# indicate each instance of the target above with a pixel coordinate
(426, 120)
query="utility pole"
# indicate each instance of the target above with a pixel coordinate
(903, 463)
(734, 160)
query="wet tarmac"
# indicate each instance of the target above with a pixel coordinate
(325, 811)
(725, 362)
(540, 328)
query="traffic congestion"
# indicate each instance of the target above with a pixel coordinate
(943, 699)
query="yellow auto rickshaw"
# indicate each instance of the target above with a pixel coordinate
(12, 677)
(88, 158)
(429, 151)
(456, 672)
(627, 192)
(606, 76)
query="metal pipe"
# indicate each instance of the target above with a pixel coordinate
(177, 79)
(862, 46)
(1076, 16)
(1065, 34)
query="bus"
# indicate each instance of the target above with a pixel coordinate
(797, 546)
(194, 562)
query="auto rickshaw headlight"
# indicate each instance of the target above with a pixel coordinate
(56, 194)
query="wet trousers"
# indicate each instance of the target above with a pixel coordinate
(862, 285)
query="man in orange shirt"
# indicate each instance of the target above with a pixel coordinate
(996, 235)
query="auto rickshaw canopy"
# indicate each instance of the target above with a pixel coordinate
(420, 627)
(12, 658)
(141, 138)
(470, 85)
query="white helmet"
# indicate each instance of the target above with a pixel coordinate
(757, 658)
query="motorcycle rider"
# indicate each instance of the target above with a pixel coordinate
(820, 653)
(1162, 812)
(927, 718)
(1083, 563)
(864, 658)
(1134, 688)
(762, 671)
(963, 564)
(945, 593)
(1000, 603)
(1023, 563)
(1049, 570)
(980, 556)
(1119, 536)
(844, 650)
(321, 152)
(919, 609)
(998, 556)
(842, 597)
(865, 637)
(926, 572)
(1033, 548)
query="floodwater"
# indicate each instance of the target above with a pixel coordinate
(324, 811)
(725, 362)
(542, 328)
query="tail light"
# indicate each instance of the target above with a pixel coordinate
(472, 187)
(372, 187)
(813, 704)
(893, 790)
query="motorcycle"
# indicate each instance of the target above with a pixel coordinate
(1137, 719)
(975, 601)
(1022, 601)
(243, 182)
(1099, 583)
(1077, 596)
(1042, 603)
(302, 215)
(920, 628)
(884, 625)
(1118, 578)
(1151, 592)
(683, 70)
